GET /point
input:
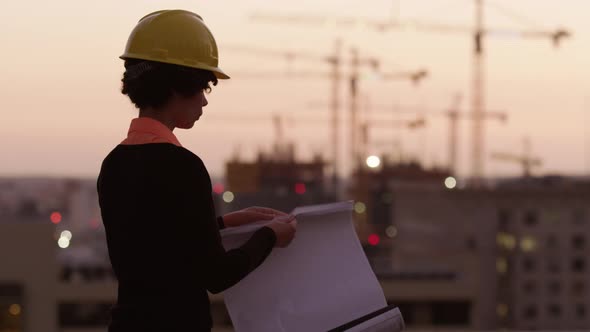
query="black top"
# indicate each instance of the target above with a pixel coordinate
(163, 239)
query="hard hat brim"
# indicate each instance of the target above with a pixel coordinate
(220, 74)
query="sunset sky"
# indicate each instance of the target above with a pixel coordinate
(62, 111)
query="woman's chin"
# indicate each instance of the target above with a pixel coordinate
(187, 125)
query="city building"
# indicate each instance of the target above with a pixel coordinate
(509, 256)
(274, 180)
(542, 234)
(54, 271)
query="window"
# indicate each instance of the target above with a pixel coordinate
(387, 198)
(471, 243)
(528, 243)
(504, 217)
(578, 241)
(578, 288)
(580, 310)
(553, 266)
(529, 287)
(453, 313)
(531, 218)
(552, 242)
(11, 307)
(554, 310)
(502, 310)
(11, 317)
(554, 287)
(506, 241)
(579, 216)
(86, 272)
(578, 264)
(530, 312)
(84, 314)
(382, 211)
(501, 265)
(552, 216)
(528, 264)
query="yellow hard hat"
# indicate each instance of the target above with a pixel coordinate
(178, 37)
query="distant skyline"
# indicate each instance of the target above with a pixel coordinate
(62, 111)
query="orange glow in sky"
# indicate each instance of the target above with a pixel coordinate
(62, 111)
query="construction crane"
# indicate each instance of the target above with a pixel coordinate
(335, 61)
(282, 147)
(366, 126)
(414, 76)
(526, 160)
(453, 114)
(478, 32)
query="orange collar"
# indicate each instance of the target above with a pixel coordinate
(147, 130)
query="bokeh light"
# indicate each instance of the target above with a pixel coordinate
(528, 244)
(67, 234)
(228, 197)
(373, 161)
(218, 188)
(14, 309)
(63, 242)
(391, 231)
(374, 239)
(300, 188)
(450, 182)
(55, 217)
(360, 207)
(501, 265)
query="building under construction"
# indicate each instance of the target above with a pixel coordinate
(276, 180)
(452, 256)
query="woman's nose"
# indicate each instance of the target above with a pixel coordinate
(205, 102)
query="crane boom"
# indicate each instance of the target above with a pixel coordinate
(478, 31)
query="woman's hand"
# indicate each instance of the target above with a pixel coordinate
(265, 210)
(250, 215)
(285, 230)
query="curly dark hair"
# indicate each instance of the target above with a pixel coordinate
(152, 84)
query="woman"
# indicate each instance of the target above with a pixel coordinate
(155, 196)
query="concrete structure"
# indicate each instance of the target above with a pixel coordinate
(39, 294)
(543, 229)
(442, 257)
(514, 256)
(278, 181)
(277, 174)
(28, 281)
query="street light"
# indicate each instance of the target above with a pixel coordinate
(373, 161)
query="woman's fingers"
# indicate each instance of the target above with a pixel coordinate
(267, 211)
(255, 215)
(286, 218)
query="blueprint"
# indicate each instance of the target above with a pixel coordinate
(320, 281)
